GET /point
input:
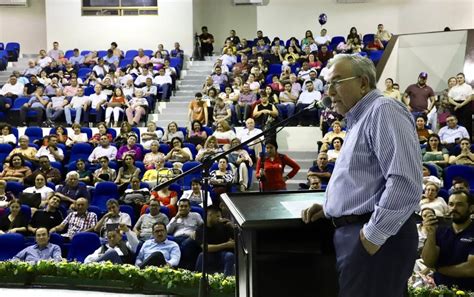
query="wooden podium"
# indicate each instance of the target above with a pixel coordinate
(277, 254)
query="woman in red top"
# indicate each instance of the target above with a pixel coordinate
(115, 106)
(270, 168)
(166, 198)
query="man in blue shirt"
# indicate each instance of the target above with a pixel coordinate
(375, 186)
(450, 248)
(158, 251)
(42, 250)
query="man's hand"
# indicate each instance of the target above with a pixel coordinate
(313, 213)
(368, 246)
(430, 223)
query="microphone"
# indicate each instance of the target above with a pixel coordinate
(325, 102)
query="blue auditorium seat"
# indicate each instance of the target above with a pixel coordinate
(82, 245)
(11, 244)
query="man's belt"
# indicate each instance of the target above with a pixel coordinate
(350, 219)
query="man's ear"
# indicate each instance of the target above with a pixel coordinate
(471, 209)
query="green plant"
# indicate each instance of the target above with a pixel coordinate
(172, 280)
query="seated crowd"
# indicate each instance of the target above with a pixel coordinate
(101, 84)
(252, 86)
(272, 80)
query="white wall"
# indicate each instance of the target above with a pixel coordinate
(174, 23)
(221, 15)
(399, 16)
(26, 25)
(441, 55)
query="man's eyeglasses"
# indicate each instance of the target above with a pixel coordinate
(336, 83)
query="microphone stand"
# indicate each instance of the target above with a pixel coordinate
(206, 165)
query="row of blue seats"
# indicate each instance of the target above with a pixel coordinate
(10, 52)
(453, 171)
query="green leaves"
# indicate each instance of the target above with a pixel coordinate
(154, 279)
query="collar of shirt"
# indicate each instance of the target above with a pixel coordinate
(358, 109)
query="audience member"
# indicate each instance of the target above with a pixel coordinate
(271, 166)
(116, 250)
(240, 161)
(71, 190)
(52, 174)
(47, 217)
(446, 248)
(431, 200)
(336, 149)
(196, 194)
(421, 130)
(144, 225)
(37, 103)
(131, 148)
(382, 34)
(419, 97)
(159, 251)
(12, 89)
(197, 110)
(452, 133)
(183, 227)
(42, 250)
(15, 170)
(112, 219)
(390, 91)
(104, 172)
(41, 188)
(15, 221)
(465, 157)
(221, 244)
(79, 220)
(321, 168)
(206, 40)
(460, 96)
(51, 150)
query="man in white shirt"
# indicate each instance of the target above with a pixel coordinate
(55, 51)
(249, 132)
(78, 103)
(96, 102)
(149, 92)
(103, 149)
(124, 77)
(323, 38)
(140, 81)
(55, 108)
(163, 83)
(310, 117)
(54, 153)
(452, 133)
(43, 59)
(13, 89)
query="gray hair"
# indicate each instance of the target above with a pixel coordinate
(72, 173)
(361, 66)
(25, 137)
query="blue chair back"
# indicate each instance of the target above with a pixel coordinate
(125, 62)
(85, 52)
(186, 181)
(103, 192)
(15, 187)
(164, 148)
(199, 210)
(88, 132)
(101, 53)
(68, 54)
(82, 245)
(130, 54)
(5, 150)
(11, 244)
(80, 151)
(453, 171)
(368, 38)
(34, 133)
(375, 56)
(98, 212)
(129, 210)
(192, 148)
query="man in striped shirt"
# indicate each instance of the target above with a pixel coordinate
(375, 186)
